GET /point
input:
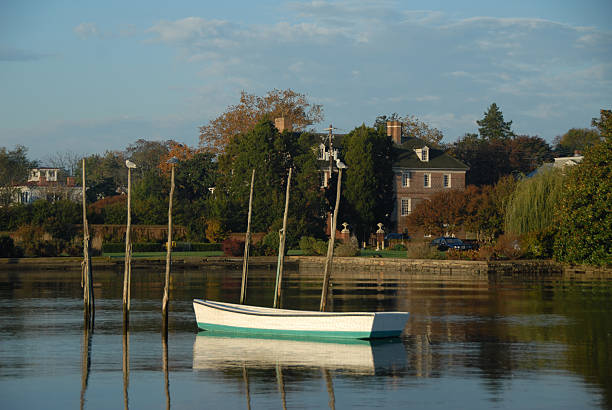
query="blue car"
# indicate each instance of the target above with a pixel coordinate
(445, 243)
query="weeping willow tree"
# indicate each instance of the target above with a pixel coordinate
(533, 205)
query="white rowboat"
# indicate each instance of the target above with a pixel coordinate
(229, 317)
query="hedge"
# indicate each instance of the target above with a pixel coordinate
(119, 247)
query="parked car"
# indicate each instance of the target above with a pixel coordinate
(400, 236)
(445, 243)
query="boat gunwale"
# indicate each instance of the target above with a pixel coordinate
(284, 312)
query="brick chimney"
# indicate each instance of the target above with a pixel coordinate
(282, 124)
(394, 130)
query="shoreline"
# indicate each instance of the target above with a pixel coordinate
(343, 266)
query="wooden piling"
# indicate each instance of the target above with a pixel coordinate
(166, 297)
(330, 248)
(281, 247)
(247, 244)
(128, 255)
(86, 276)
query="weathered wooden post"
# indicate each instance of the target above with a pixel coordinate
(330, 245)
(247, 243)
(281, 247)
(127, 273)
(173, 161)
(86, 277)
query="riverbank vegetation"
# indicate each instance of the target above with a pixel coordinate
(555, 213)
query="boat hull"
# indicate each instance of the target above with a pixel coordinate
(228, 317)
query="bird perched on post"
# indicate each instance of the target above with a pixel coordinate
(340, 164)
(129, 164)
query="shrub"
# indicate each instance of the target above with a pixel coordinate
(233, 247)
(41, 248)
(507, 246)
(398, 247)
(312, 246)
(424, 251)
(469, 255)
(539, 245)
(350, 248)
(8, 248)
(205, 246)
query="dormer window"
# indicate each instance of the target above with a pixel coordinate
(423, 153)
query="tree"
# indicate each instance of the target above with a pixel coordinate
(147, 154)
(14, 169)
(491, 159)
(412, 127)
(488, 159)
(533, 203)
(67, 161)
(194, 177)
(369, 178)
(604, 123)
(493, 126)
(526, 153)
(444, 214)
(104, 174)
(271, 154)
(242, 117)
(584, 218)
(576, 139)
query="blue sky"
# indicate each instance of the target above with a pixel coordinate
(85, 77)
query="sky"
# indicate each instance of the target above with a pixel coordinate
(84, 77)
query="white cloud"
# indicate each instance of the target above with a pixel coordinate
(86, 30)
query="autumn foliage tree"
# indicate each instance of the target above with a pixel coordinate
(298, 112)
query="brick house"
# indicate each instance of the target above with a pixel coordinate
(420, 171)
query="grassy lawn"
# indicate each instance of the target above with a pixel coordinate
(368, 253)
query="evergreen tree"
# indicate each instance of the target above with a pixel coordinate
(368, 188)
(493, 126)
(271, 154)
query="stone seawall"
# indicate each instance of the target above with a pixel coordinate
(342, 267)
(533, 269)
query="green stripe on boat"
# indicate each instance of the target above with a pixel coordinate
(299, 333)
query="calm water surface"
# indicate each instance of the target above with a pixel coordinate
(468, 344)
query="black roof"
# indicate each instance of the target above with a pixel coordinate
(405, 157)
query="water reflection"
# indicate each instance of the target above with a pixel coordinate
(85, 362)
(126, 367)
(224, 353)
(215, 351)
(165, 368)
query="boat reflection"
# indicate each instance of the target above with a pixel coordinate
(217, 351)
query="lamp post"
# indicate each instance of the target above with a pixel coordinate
(172, 161)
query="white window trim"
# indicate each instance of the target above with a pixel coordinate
(406, 177)
(428, 184)
(409, 210)
(447, 176)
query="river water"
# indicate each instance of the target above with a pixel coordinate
(471, 344)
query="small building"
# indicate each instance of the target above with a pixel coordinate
(44, 183)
